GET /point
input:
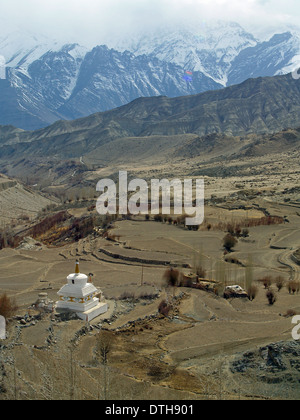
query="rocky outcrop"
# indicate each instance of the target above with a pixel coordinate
(274, 363)
(5, 185)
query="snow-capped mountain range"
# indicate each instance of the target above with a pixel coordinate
(208, 49)
(47, 80)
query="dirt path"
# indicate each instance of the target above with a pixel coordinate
(286, 259)
(190, 247)
(286, 233)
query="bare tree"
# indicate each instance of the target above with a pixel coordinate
(171, 277)
(72, 371)
(103, 349)
(271, 297)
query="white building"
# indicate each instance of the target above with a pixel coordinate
(81, 296)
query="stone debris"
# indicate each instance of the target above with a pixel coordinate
(275, 363)
(235, 292)
(30, 244)
(44, 303)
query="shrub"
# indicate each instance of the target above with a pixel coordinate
(171, 277)
(127, 296)
(229, 242)
(148, 296)
(232, 260)
(266, 281)
(245, 233)
(252, 292)
(279, 281)
(155, 371)
(238, 231)
(293, 287)
(230, 229)
(271, 297)
(290, 313)
(164, 308)
(7, 306)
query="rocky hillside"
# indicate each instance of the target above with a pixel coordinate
(68, 84)
(273, 366)
(263, 105)
(19, 202)
(258, 117)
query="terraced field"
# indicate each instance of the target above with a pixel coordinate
(185, 356)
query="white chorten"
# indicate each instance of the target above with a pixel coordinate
(81, 297)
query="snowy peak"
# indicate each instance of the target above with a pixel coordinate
(22, 48)
(290, 47)
(277, 56)
(209, 48)
(203, 35)
(76, 51)
(48, 80)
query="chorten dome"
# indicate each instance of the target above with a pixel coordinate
(78, 284)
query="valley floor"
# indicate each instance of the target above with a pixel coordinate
(208, 347)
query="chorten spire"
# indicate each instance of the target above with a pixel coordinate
(77, 271)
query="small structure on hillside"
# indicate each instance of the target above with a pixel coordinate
(235, 291)
(80, 296)
(44, 303)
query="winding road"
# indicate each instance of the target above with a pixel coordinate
(286, 259)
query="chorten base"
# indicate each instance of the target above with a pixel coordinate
(91, 314)
(87, 315)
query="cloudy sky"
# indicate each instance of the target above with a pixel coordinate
(96, 21)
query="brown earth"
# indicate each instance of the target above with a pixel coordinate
(185, 356)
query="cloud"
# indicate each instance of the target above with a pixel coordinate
(95, 21)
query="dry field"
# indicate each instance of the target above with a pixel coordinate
(207, 347)
(195, 353)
